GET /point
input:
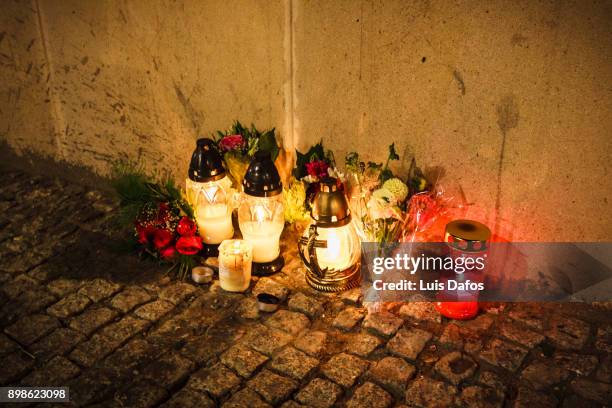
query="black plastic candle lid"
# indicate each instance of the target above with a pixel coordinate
(262, 178)
(206, 162)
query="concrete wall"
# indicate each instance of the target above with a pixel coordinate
(512, 100)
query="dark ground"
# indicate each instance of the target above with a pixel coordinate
(77, 313)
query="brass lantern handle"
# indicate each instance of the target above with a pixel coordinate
(311, 243)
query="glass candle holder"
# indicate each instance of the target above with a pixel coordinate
(235, 262)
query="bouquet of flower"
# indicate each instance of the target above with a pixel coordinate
(310, 168)
(161, 219)
(386, 208)
(238, 146)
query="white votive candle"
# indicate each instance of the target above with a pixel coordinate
(265, 237)
(202, 274)
(214, 222)
(235, 260)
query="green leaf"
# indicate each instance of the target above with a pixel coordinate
(267, 142)
(392, 153)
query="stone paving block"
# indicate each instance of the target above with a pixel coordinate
(531, 315)
(348, 318)
(31, 328)
(31, 301)
(312, 342)
(480, 397)
(153, 311)
(344, 369)
(291, 404)
(369, 395)
(17, 285)
(188, 398)
(456, 367)
(243, 360)
(408, 343)
(392, 373)
(169, 370)
(480, 324)
(293, 363)
(176, 292)
(308, 305)
(503, 354)
(319, 393)
(452, 336)
(603, 340)
(383, 324)
(55, 372)
(7, 345)
(544, 374)
(59, 342)
(420, 311)
(63, 286)
(266, 340)
(93, 350)
(272, 387)
(92, 319)
(70, 305)
(352, 297)
(217, 380)
(246, 398)
(141, 394)
(124, 329)
(99, 289)
(527, 397)
(520, 335)
(15, 366)
(290, 322)
(493, 380)
(568, 333)
(362, 344)
(130, 298)
(427, 392)
(268, 285)
(202, 349)
(135, 353)
(592, 390)
(248, 309)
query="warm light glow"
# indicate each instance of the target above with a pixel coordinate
(212, 207)
(261, 223)
(343, 247)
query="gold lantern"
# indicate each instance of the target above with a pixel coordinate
(330, 247)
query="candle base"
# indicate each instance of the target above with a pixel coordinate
(210, 250)
(268, 268)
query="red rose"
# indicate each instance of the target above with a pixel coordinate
(231, 142)
(168, 252)
(189, 245)
(317, 168)
(144, 233)
(162, 238)
(186, 227)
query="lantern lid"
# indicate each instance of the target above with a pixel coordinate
(262, 178)
(206, 162)
(467, 235)
(330, 208)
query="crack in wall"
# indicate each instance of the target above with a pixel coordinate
(59, 124)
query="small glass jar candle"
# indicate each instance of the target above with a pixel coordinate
(235, 260)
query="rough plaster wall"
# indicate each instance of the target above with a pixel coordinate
(142, 79)
(511, 99)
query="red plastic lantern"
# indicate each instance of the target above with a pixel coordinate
(465, 239)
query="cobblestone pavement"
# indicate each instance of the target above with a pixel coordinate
(77, 312)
